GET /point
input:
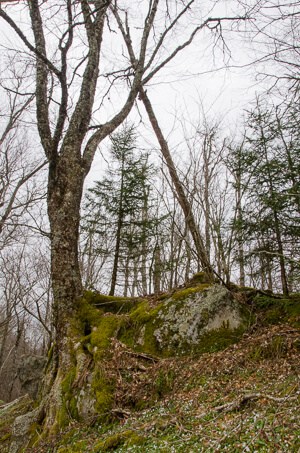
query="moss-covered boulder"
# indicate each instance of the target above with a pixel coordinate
(8, 414)
(197, 319)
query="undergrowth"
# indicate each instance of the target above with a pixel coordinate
(183, 399)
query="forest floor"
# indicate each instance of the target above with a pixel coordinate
(242, 399)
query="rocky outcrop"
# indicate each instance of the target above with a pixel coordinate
(30, 372)
(195, 319)
(9, 413)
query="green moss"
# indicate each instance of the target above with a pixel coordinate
(77, 447)
(143, 313)
(217, 340)
(8, 414)
(184, 293)
(5, 438)
(100, 338)
(273, 310)
(200, 277)
(87, 316)
(49, 356)
(138, 330)
(113, 304)
(68, 409)
(75, 439)
(126, 438)
(150, 344)
(103, 388)
(163, 296)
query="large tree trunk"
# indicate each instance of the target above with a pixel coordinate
(70, 140)
(65, 184)
(64, 196)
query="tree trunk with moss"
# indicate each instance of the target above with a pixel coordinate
(67, 79)
(70, 146)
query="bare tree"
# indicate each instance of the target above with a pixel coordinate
(21, 186)
(22, 193)
(24, 311)
(275, 36)
(70, 88)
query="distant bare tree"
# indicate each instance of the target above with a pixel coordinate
(21, 188)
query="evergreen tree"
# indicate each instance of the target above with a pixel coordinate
(269, 217)
(118, 205)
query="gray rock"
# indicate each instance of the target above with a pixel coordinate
(21, 430)
(30, 372)
(186, 319)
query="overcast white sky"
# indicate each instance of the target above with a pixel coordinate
(197, 76)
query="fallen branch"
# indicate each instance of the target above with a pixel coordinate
(240, 402)
(121, 413)
(142, 356)
(139, 355)
(243, 400)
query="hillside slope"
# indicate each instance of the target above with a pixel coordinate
(244, 398)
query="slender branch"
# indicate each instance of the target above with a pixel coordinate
(14, 118)
(210, 20)
(111, 125)
(21, 182)
(41, 80)
(33, 49)
(62, 114)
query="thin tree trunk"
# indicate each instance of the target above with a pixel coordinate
(157, 270)
(206, 174)
(118, 235)
(145, 220)
(116, 258)
(284, 281)
(181, 196)
(126, 276)
(134, 285)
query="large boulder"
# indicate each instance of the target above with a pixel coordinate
(194, 320)
(30, 372)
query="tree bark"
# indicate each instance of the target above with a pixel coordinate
(64, 196)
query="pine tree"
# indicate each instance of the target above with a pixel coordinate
(268, 219)
(118, 205)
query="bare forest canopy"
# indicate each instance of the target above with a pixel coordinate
(84, 81)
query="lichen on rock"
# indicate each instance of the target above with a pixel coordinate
(187, 317)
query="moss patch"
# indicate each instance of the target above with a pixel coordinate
(156, 332)
(104, 387)
(274, 310)
(218, 340)
(200, 278)
(112, 304)
(126, 438)
(186, 292)
(69, 408)
(138, 329)
(100, 338)
(8, 414)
